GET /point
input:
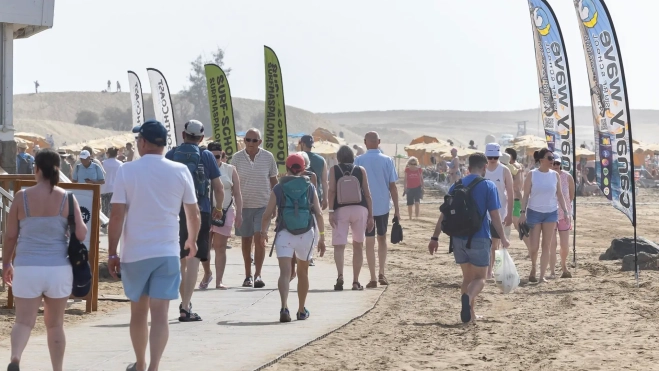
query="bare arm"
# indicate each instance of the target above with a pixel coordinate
(324, 182)
(498, 226)
(11, 232)
(218, 190)
(559, 194)
(117, 216)
(508, 182)
(393, 190)
(193, 221)
(527, 192)
(237, 194)
(273, 182)
(331, 194)
(571, 187)
(267, 215)
(438, 226)
(81, 228)
(318, 211)
(367, 192)
(405, 182)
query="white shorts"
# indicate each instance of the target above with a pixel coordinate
(33, 282)
(302, 245)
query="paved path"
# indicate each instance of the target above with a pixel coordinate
(240, 331)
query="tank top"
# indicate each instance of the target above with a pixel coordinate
(565, 189)
(414, 177)
(226, 177)
(497, 177)
(543, 191)
(42, 240)
(339, 170)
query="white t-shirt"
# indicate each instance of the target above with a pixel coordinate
(111, 166)
(153, 189)
(499, 179)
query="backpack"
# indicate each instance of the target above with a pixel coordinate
(24, 165)
(461, 216)
(295, 205)
(190, 156)
(348, 188)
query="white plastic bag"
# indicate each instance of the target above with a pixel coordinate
(505, 272)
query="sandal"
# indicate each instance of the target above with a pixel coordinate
(204, 285)
(566, 274)
(356, 286)
(187, 315)
(131, 367)
(383, 280)
(372, 285)
(339, 283)
(13, 367)
(247, 282)
(465, 313)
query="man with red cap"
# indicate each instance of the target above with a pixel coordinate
(297, 202)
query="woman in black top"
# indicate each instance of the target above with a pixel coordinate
(356, 216)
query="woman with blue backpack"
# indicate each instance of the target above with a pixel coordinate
(296, 201)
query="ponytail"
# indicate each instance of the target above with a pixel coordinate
(48, 163)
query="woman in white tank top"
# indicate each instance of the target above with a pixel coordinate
(542, 196)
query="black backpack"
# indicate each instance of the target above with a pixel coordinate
(461, 216)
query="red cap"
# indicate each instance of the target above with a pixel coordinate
(295, 162)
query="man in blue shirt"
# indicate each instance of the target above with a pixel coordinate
(87, 171)
(192, 136)
(24, 161)
(382, 177)
(475, 260)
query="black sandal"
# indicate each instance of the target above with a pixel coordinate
(339, 284)
(356, 286)
(187, 315)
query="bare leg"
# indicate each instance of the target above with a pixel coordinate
(247, 254)
(417, 209)
(159, 331)
(547, 233)
(26, 316)
(284, 280)
(54, 320)
(409, 211)
(220, 247)
(206, 265)
(526, 240)
(382, 252)
(339, 256)
(293, 274)
(259, 255)
(370, 257)
(189, 281)
(357, 259)
(302, 283)
(493, 249)
(552, 255)
(535, 246)
(565, 249)
(139, 330)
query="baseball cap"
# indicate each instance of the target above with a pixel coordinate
(295, 162)
(493, 150)
(84, 154)
(194, 128)
(153, 131)
(307, 140)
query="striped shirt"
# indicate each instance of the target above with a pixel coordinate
(255, 177)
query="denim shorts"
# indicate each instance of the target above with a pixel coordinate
(157, 278)
(478, 255)
(534, 218)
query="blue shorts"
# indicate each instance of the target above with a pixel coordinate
(534, 218)
(157, 278)
(478, 255)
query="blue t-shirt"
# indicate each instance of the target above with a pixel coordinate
(487, 199)
(26, 156)
(93, 172)
(211, 170)
(380, 171)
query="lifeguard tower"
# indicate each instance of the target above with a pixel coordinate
(19, 19)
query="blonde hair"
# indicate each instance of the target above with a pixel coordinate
(412, 158)
(306, 158)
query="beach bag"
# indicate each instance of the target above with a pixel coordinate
(396, 231)
(505, 272)
(348, 188)
(295, 205)
(190, 156)
(461, 216)
(78, 256)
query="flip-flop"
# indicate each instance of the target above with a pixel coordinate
(132, 367)
(356, 286)
(465, 313)
(372, 285)
(204, 285)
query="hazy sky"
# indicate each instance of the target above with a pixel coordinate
(335, 55)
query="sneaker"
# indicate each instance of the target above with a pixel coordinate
(247, 282)
(13, 367)
(304, 315)
(258, 282)
(284, 315)
(311, 263)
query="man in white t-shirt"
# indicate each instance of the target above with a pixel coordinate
(501, 176)
(147, 199)
(111, 165)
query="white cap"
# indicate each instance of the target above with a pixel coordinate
(194, 128)
(84, 154)
(493, 150)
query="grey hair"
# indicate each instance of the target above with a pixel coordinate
(255, 130)
(306, 158)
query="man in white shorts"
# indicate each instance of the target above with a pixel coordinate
(148, 194)
(501, 176)
(297, 201)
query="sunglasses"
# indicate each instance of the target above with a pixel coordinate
(492, 158)
(557, 163)
(550, 158)
(217, 157)
(251, 140)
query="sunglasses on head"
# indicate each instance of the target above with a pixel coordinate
(251, 140)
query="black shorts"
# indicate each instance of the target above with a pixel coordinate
(203, 248)
(413, 196)
(381, 223)
(493, 232)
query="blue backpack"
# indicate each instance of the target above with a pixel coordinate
(190, 156)
(295, 200)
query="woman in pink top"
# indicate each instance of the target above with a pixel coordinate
(564, 223)
(413, 186)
